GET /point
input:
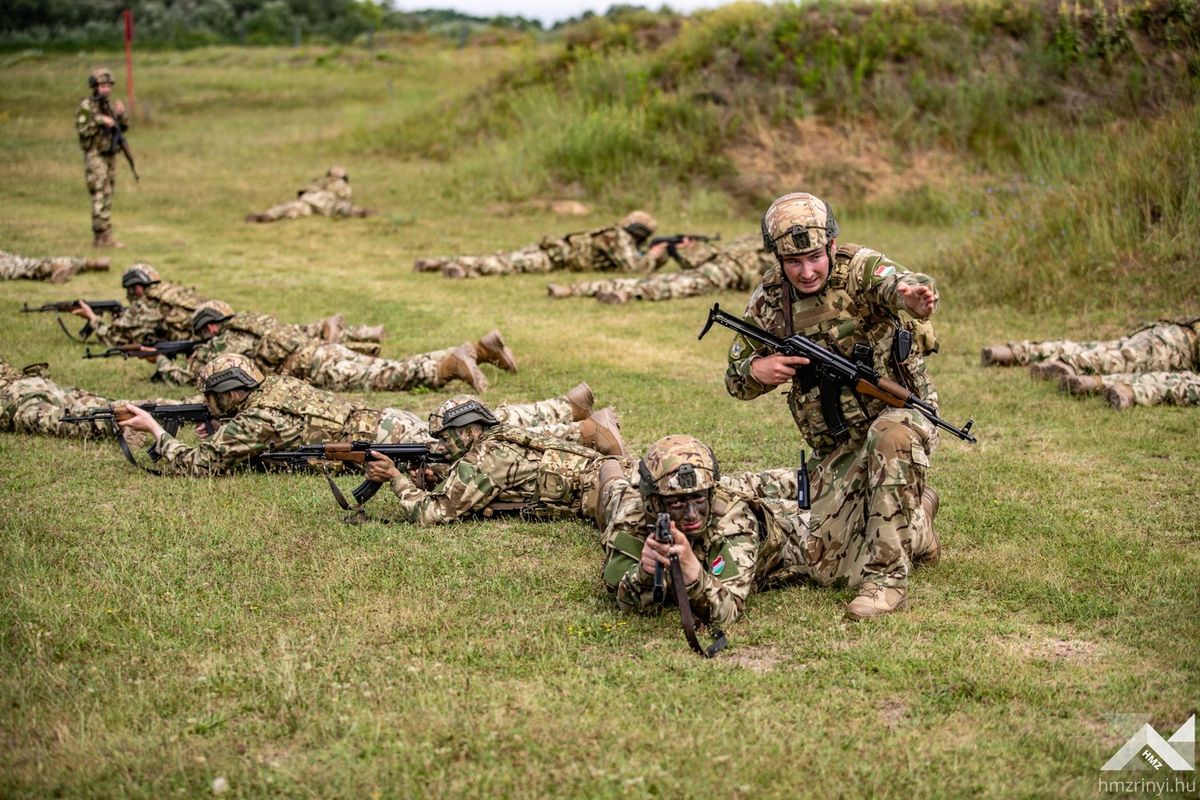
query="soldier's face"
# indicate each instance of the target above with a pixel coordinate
(807, 271)
(689, 512)
(104, 89)
(135, 291)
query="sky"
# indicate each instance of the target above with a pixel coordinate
(548, 11)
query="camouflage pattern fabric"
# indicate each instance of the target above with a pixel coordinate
(284, 412)
(13, 266)
(706, 268)
(610, 249)
(326, 197)
(860, 304)
(162, 313)
(1158, 388)
(1159, 347)
(510, 466)
(95, 139)
(769, 484)
(749, 543)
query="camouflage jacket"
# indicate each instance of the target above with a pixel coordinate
(280, 413)
(506, 465)
(184, 373)
(859, 305)
(163, 312)
(260, 337)
(738, 265)
(610, 249)
(93, 135)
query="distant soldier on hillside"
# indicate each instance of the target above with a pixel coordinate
(328, 196)
(58, 269)
(98, 124)
(616, 248)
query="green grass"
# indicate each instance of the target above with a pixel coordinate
(156, 634)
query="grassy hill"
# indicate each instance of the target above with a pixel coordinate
(158, 634)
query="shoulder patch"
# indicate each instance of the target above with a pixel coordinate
(883, 270)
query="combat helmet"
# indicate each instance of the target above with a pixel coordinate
(678, 464)
(99, 76)
(227, 372)
(798, 223)
(462, 409)
(639, 225)
(212, 311)
(140, 274)
(337, 173)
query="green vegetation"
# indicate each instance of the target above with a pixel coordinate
(158, 634)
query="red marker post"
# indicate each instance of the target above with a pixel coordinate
(128, 15)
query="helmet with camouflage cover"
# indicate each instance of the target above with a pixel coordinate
(99, 76)
(639, 224)
(337, 172)
(227, 372)
(462, 409)
(140, 274)
(798, 223)
(676, 465)
(212, 311)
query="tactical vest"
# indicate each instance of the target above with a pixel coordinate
(566, 472)
(327, 417)
(839, 320)
(176, 303)
(276, 340)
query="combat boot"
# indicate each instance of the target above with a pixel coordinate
(613, 298)
(1051, 370)
(558, 291)
(106, 239)
(997, 355)
(95, 265)
(453, 271)
(1081, 384)
(429, 264)
(369, 333)
(366, 348)
(928, 552)
(1120, 396)
(63, 273)
(333, 327)
(256, 218)
(364, 212)
(581, 400)
(460, 363)
(602, 432)
(491, 349)
(874, 601)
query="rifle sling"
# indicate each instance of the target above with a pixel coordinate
(688, 619)
(83, 333)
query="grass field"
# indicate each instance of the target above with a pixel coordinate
(158, 634)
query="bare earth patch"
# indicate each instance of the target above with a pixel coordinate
(758, 659)
(892, 711)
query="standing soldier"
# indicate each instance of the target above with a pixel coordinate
(328, 197)
(616, 248)
(870, 510)
(98, 124)
(56, 270)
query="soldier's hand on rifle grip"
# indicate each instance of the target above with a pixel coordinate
(920, 300)
(134, 418)
(201, 430)
(85, 311)
(379, 468)
(118, 107)
(776, 368)
(688, 563)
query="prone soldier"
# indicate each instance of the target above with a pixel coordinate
(328, 196)
(58, 269)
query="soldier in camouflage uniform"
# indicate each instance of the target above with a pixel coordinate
(869, 485)
(56, 270)
(616, 248)
(277, 412)
(730, 539)
(30, 402)
(707, 268)
(1128, 389)
(162, 311)
(287, 350)
(498, 467)
(1164, 346)
(95, 122)
(328, 197)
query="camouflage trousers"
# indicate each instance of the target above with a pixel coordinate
(1163, 347)
(100, 171)
(349, 333)
(866, 507)
(36, 404)
(325, 204)
(338, 368)
(772, 484)
(13, 266)
(668, 286)
(528, 259)
(1157, 388)
(552, 417)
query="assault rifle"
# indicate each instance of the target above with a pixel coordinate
(673, 242)
(118, 138)
(113, 307)
(156, 349)
(169, 416)
(412, 456)
(834, 371)
(662, 534)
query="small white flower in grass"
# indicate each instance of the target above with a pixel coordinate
(220, 785)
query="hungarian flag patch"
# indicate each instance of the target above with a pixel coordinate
(718, 565)
(883, 270)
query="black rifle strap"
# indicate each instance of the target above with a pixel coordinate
(786, 285)
(688, 619)
(87, 329)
